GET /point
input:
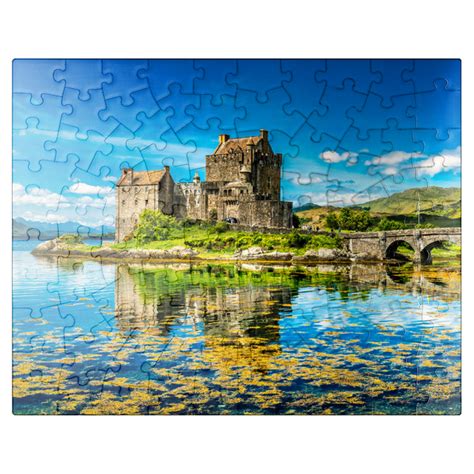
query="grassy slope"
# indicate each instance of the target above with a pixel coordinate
(439, 206)
(433, 200)
(316, 215)
(210, 243)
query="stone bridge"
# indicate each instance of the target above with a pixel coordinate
(382, 245)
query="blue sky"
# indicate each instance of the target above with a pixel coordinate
(349, 130)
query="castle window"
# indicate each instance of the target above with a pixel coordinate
(123, 202)
(146, 202)
(136, 202)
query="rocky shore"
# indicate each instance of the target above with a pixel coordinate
(254, 254)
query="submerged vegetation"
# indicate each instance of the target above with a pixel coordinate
(222, 339)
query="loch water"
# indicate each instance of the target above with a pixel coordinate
(107, 338)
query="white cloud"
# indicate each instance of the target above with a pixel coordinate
(36, 196)
(48, 217)
(393, 158)
(43, 205)
(390, 171)
(84, 188)
(396, 162)
(447, 160)
(330, 156)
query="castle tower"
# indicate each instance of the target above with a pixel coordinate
(255, 153)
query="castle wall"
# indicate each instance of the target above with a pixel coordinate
(264, 213)
(131, 201)
(266, 176)
(165, 197)
(191, 201)
(242, 183)
(224, 167)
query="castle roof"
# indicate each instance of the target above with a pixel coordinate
(233, 143)
(141, 178)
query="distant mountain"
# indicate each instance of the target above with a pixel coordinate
(24, 229)
(432, 200)
(306, 207)
(19, 229)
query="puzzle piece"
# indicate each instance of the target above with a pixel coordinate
(441, 109)
(48, 113)
(83, 75)
(342, 294)
(29, 144)
(259, 77)
(36, 77)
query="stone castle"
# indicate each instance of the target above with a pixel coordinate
(242, 186)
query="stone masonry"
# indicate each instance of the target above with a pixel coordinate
(242, 184)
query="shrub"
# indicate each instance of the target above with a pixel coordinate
(297, 240)
(213, 214)
(243, 241)
(71, 239)
(388, 224)
(350, 219)
(154, 225)
(221, 227)
(326, 241)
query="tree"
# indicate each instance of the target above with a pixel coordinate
(332, 221)
(388, 224)
(154, 225)
(355, 219)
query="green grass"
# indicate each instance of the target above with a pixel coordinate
(221, 240)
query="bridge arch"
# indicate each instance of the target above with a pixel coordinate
(394, 244)
(425, 253)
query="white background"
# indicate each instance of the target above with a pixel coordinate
(243, 28)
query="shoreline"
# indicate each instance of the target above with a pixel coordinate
(180, 254)
(55, 248)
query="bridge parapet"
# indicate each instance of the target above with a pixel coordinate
(382, 245)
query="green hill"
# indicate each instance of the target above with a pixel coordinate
(306, 207)
(433, 200)
(439, 207)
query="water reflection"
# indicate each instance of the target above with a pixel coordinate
(236, 339)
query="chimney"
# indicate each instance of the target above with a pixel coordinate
(128, 172)
(167, 169)
(223, 138)
(264, 134)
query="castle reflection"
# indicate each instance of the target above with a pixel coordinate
(246, 301)
(237, 312)
(158, 296)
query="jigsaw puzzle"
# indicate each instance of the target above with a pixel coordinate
(236, 236)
